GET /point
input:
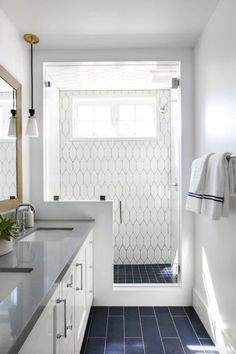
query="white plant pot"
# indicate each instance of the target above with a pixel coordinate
(5, 246)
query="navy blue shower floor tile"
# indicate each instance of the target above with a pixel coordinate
(144, 273)
(146, 330)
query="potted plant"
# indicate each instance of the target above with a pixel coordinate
(8, 231)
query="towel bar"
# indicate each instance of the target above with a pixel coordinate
(231, 157)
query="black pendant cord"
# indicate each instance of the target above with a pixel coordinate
(13, 98)
(32, 79)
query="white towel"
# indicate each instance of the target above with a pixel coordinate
(232, 177)
(215, 201)
(197, 183)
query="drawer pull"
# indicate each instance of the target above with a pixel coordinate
(59, 301)
(81, 276)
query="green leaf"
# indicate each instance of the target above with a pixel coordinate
(7, 228)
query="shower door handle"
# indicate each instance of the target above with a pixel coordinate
(120, 203)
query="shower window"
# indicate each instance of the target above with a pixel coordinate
(129, 117)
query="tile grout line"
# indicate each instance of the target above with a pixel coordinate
(176, 329)
(141, 329)
(194, 330)
(159, 330)
(105, 345)
(123, 328)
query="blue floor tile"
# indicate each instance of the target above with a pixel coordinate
(99, 322)
(149, 273)
(95, 346)
(117, 330)
(173, 346)
(146, 311)
(115, 336)
(189, 340)
(134, 346)
(165, 322)
(151, 337)
(116, 311)
(197, 324)
(177, 311)
(132, 322)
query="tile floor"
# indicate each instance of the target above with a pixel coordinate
(146, 330)
(143, 273)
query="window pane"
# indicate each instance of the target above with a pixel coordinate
(126, 128)
(145, 121)
(84, 129)
(127, 112)
(85, 112)
(102, 112)
(144, 112)
(102, 129)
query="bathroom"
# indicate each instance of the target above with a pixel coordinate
(143, 223)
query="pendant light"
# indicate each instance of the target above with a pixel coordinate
(32, 126)
(12, 124)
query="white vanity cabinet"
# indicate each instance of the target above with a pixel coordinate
(61, 326)
(47, 333)
(83, 267)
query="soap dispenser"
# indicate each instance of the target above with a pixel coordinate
(29, 218)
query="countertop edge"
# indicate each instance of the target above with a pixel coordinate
(45, 300)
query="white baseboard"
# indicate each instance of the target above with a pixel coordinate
(220, 336)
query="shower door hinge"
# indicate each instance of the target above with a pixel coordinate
(47, 83)
(175, 83)
(176, 268)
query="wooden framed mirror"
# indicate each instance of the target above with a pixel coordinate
(10, 141)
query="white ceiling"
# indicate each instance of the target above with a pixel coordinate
(112, 76)
(72, 24)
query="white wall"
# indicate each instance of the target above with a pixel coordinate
(104, 293)
(14, 57)
(215, 95)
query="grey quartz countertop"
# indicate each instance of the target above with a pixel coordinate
(24, 295)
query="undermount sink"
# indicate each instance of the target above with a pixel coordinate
(47, 234)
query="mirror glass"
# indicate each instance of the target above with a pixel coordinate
(8, 151)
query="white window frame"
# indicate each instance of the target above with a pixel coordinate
(115, 102)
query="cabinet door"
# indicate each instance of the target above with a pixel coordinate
(68, 341)
(80, 298)
(89, 273)
(46, 334)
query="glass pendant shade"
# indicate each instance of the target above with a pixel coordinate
(32, 127)
(12, 126)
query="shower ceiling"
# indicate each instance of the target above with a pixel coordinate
(112, 76)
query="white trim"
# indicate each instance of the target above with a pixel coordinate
(209, 319)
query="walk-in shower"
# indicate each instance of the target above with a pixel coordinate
(115, 134)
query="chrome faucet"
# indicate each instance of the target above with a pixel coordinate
(21, 225)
